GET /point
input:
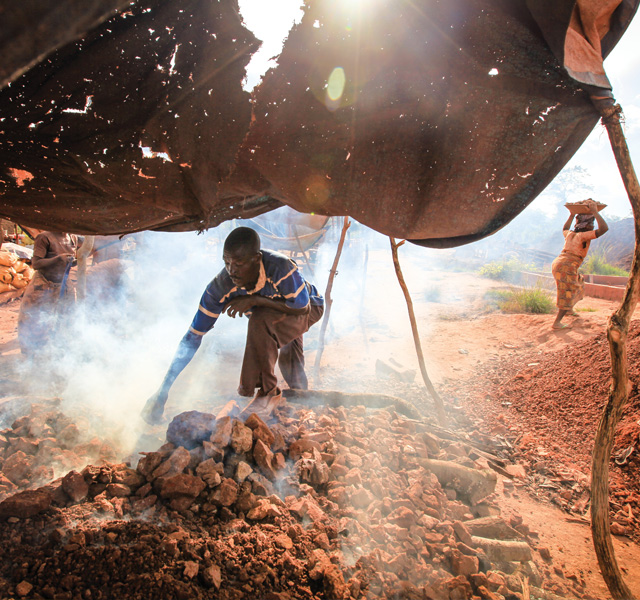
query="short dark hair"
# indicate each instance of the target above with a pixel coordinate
(243, 238)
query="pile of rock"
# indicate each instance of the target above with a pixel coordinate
(42, 444)
(329, 503)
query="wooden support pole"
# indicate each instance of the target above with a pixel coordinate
(82, 256)
(617, 331)
(442, 417)
(327, 296)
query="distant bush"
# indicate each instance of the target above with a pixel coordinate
(596, 264)
(504, 270)
(523, 300)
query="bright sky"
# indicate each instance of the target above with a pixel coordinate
(271, 25)
(269, 22)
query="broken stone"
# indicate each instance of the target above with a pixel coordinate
(221, 437)
(260, 485)
(212, 576)
(461, 564)
(17, 467)
(75, 486)
(517, 471)
(129, 477)
(181, 485)
(361, 498)
(213, 451)
(23, 445)
(148, 463)
(462, 532)
(142, 504)
(23, 589)
(225, 494)
(299, 447)
(69, 436)
(264, 458)
(260, 430)
(263, 509)
(118, 490)
(243, 470)
(26, 504)
(188, 429)
(313, 470)
(241, 438)
(209, 472)
(174, 465)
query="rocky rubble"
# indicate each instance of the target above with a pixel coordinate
(561, 396)
(43, 443)
(329, 503)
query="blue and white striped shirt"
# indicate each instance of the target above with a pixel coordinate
(279, 279)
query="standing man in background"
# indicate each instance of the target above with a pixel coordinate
(46, 295)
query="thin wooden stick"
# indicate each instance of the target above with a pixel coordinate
(617, 331)
(363, 324)
(442, 417)
(83, 255)
(328, 301)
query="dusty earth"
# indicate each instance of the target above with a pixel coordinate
(512, 377)
(512, 385)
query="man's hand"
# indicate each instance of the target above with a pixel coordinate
(240, 305)
(154, 408)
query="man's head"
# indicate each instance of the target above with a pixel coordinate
(241, 256)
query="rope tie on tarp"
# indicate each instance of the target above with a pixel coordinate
(610, 114)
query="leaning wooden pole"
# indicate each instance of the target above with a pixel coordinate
(442, 417)
(617, 332)
(83, 256)
(328, 301)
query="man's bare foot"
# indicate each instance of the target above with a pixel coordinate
(560, 326)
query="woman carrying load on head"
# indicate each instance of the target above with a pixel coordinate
(569, 282)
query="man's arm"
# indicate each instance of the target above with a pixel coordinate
(243, 304)
(43, 263)
(154, 408)
(187, 348)
(40, 249)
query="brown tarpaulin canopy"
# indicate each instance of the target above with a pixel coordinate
(434, 121)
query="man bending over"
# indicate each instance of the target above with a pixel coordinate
(281, 306)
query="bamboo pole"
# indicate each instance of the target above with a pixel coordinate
(442, 417)
(617, 331)
(328, 301)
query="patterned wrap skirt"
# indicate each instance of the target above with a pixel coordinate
(569, 282)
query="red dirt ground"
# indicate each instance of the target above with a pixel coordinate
(534, 394)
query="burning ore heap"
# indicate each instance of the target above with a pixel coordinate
(336, 503)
